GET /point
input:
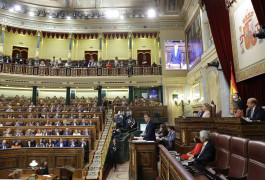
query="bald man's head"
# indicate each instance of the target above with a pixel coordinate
(252, 102)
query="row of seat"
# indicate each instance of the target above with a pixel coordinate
(237, 157)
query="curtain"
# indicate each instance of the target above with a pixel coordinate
(94, 55)
(259, 7)
(253, 87)
(144, 57)
(220, 26)
(21, 51)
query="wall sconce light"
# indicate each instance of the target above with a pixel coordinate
(229, 3)
(179, 101)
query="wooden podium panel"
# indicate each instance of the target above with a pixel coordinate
(186, 128)
(143, 160)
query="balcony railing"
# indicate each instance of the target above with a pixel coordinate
(79, 71)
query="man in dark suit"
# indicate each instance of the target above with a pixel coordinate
(84, 145)
(4, 145)
(150, 129)
(61, 143)
(255, 112)
(207, 152)
(176, 56)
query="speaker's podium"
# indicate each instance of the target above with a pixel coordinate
(143, 160)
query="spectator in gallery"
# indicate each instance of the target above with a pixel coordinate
(206, 108)
(29, 144)
(116, 62)
(91, 123)
(72, 144)
(4, 145)
(108, 65)
(49, 143)
(76, 133)
(196, 150)
(255, 112)
(8, 133)
(83, 123)
(75, 123)
(234, 110)
(56, 132)
(87, 133)
(16, 145)
(29, 123)
(53, 61)
(42, 64)
(29, 133)
(200, 112)
(17, 123)
(45, 132)
(43, 169)
(39, 133)
(40, 143)
(67, 132)
(176, 56)
(91, 62)
(59, 62)
(10, 109)
(238, 101)
(61, 143)
(18, 133)
(48, 123)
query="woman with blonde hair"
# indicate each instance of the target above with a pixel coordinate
(207, 110)
(234, 110)
(16, 174)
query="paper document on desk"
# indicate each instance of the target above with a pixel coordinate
(150, 141)
(47, 176)
(140, 140)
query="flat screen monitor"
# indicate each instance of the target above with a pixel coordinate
(142, 127)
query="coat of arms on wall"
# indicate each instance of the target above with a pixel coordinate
(247, 30)
(248, 52)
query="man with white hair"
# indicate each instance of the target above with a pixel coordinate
(207, 152)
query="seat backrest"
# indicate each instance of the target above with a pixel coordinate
(219, 114)
(213, 139)
(256, 160)
(213, 110)
(247, 111)
(223, 151)
(239, 157)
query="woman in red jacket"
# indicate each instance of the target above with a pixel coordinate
(196, 150)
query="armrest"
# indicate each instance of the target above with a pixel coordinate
(221, 171)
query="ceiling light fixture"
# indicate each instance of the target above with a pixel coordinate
(31, 13)
(11, 10)
(50, 16)
(121, 17)
(112, 14)
(151, 13)
(17, 8)
(68, 17)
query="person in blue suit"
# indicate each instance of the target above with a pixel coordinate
(176, 56)
(149, 133)
(4, 145)
(61, 143)
(170, 138)
(255, 112)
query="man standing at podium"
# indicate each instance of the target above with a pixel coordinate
(149, 133)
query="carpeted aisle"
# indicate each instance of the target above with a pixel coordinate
(122, 172)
